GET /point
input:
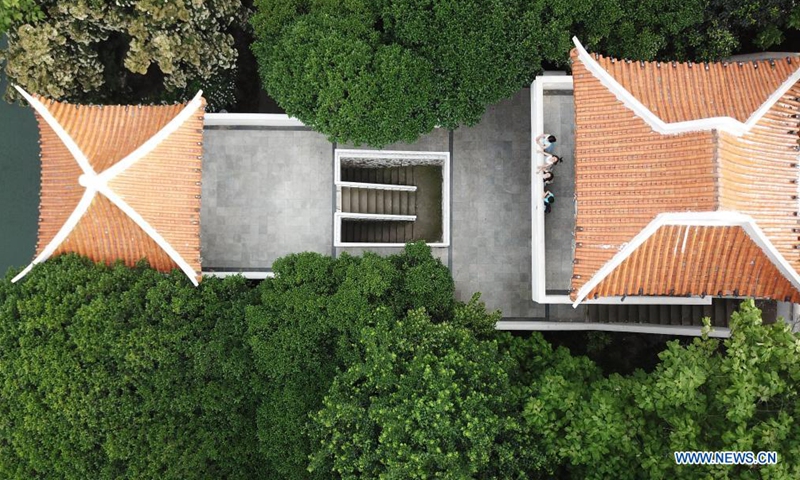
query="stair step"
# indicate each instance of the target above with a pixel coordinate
(708, 311)
(686, 314)
(602, 313)
(613, 314)
(345, 205)
(378, 201)
(643, 314)
(404, 203)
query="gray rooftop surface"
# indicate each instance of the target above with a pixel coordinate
(269, 192)
(266, 193)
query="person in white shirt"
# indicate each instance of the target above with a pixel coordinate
(549, 162)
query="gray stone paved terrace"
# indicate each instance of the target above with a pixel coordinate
(491, 234)
(559, 120)
(268, 192)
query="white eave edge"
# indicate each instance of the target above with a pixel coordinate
(95, 183)
(726, 124)
(693, 219)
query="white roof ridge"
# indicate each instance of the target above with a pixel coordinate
(94, 183)
(726, 124)
(716, 218)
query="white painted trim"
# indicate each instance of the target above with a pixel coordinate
(66, 139)
(538, 257)
(693, 219)
(727, 124)
(446, 201)
(401, 154)
(379, 186)
(630, 300)
(534, 325)
(384, 245)
(250, 275)
(251, 120)
(376, 216)
(155, 140)
(94, 183)
(442, 158)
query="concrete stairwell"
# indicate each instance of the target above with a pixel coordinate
(387, 202)
(388, 175)
(378, 201)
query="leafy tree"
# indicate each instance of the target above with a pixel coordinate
(743, 397)
(18, 11)
(111, 372)
(381, 71)
(303, 334)
(125, 51)
(427, 400)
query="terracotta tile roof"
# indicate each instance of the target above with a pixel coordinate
(627, 174)
(695, 260)
(759, 174)
(163, 187)
(679, 92)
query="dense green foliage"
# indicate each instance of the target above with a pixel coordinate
(124, 373)
(304, 331)
(125, 51)
(743, 397)
(357, 367)
(18, 11)
(427, 400)
(683, 30)
(381, 71)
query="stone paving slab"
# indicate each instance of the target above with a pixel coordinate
(491, 236)
(559, 120)
(266, 193)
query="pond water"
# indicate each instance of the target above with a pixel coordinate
(19, 182)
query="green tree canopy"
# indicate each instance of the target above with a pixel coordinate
(124, 51)
(737, 395)
(303, 334)
(18, 11)
(111, 372)
(427, 400)
(382, 71)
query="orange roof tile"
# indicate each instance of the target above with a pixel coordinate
(162, 187)
(684, 260)
(678, 92)
(627, 174)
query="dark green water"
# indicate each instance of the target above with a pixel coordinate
(19, 182)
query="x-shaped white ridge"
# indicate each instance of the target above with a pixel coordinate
(98, 183)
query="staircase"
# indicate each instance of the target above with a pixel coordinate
(386, 176)
(373, 200)
(719, 311)
(380, 191)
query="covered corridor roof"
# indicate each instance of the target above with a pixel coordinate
(686, 178)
